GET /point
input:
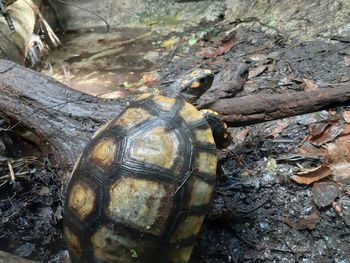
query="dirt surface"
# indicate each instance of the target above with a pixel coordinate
(97, 63)
(259, 213)
(30, 201)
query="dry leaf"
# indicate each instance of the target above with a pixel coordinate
(341, 172)
(318, 128)
(258, 57)
(325, 193)
(308, 149)
(309, 85)
(329, 133)
(149, 78)
(344, 138)
(238, 136)
(214, 52)
(281, 125)
(346, 130)
(305, 221)
(113, 95)
(312, 175)
(254, 72)
(226, 45)
(346, 116)
(338, 152)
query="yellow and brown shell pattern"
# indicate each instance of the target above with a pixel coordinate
(141, 189)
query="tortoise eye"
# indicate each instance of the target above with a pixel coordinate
(196, 84)
(200, 82)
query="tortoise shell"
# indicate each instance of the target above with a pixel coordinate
(141, 188)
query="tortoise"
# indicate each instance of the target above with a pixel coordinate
(140, 190)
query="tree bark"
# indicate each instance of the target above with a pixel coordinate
(254, 109)
(62, 117)
(66, 119)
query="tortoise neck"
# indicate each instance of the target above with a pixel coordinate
(218, 127)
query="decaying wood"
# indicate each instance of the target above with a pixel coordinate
(254, 109)
(66, 119)
(8, 258)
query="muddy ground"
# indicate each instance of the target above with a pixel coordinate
(259, 213)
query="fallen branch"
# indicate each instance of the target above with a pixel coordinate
(254, 109)
(60, 116)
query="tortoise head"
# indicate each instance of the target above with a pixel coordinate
(191, 86)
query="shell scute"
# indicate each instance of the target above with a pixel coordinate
(155, 146)
(103, 153)
(140, 203)
(81, 199)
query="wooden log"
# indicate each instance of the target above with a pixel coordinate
(254, 109)
(62, 117)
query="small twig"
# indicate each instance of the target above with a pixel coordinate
(234, 155)
(19, 165)
(253, 245)
(12, 174)
(14, 213)
(290, 77)
(9, 199)
(7, 176)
